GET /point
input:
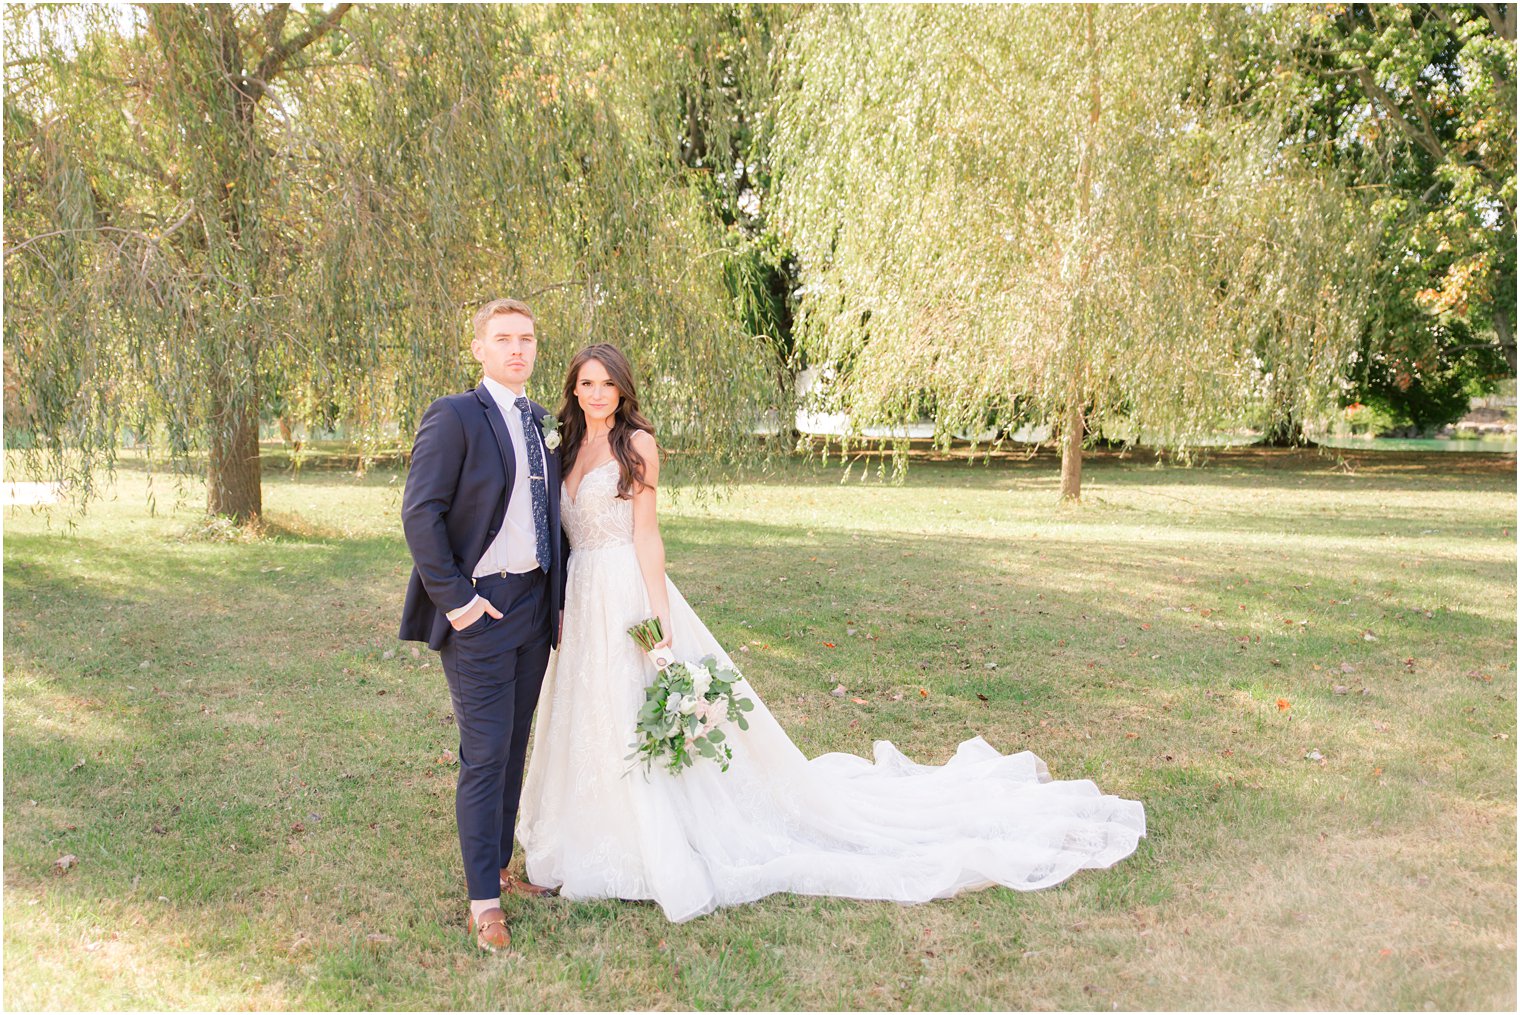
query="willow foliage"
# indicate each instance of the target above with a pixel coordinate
(202, 236)
(1005, 215)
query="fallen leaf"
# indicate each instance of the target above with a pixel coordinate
(923, 692)
(828, 644)
(1338, 689)
(1368, 636)
(839, 691)
(982, 697)
(1283, 704)
(858, 701)
(1314, 755)
(64, 862)
(76, 766)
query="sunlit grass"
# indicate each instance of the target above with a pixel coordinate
(250, 768)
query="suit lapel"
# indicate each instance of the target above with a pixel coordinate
(499, 430)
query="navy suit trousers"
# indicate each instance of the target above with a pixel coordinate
(495, 668)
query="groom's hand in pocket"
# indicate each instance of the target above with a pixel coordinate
(469, 616)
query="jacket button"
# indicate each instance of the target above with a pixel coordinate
(491, 532)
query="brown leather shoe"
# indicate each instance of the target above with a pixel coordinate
(491, 934)
(513, 885)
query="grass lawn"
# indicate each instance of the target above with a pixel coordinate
(1303, 665)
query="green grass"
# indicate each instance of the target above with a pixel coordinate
(249, 768)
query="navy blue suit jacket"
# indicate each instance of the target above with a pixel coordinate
(454, 504)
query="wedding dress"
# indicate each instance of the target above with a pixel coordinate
(595, 826)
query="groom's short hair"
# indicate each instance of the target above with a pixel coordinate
(497, 307)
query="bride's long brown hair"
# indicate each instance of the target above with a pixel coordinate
(626, 418)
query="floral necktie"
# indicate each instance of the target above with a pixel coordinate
(537, 481)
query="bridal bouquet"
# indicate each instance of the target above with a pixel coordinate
(685, 708)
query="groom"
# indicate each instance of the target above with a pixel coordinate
(481, 514)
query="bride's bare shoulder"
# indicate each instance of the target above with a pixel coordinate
(644, 443)
(645, 447)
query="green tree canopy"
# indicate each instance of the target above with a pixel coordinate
(217, 209)
(1415, 104)
(1060, 214)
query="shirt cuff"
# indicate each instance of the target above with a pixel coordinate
(461, 611)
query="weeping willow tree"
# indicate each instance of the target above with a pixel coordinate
(1056, 215)
(216, 213)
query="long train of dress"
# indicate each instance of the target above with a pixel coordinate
(837, 825)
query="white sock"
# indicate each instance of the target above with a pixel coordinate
(479, 906)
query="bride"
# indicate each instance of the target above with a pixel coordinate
(775, 821)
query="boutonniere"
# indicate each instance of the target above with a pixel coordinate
(550, 427)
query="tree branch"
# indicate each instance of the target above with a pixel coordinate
(147, 170)
(1502, 17)
(1423, 112)
(275, 59)
(1419, 137)
(274, 24)
(138, 233)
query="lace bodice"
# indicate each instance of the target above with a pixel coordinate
(596, 518)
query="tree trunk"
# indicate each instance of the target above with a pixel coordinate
(1071, 452)
(1285, 433)
(1504, 321)
(234, 474)
(1074, 427)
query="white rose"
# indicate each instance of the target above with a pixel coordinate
(701, 679)
(688, 704)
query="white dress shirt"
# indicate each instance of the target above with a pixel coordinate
(515, 548)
